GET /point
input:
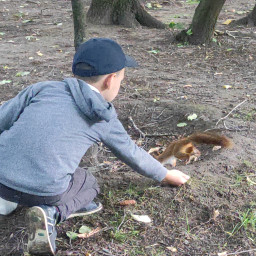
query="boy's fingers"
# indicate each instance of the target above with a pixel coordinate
(186, 177)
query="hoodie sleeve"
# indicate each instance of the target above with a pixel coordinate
(11, 110)
(120, 143)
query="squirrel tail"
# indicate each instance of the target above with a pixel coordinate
(211, 138)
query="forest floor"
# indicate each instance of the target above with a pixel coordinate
(215, 212)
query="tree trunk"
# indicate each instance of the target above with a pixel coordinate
(249, 20)
(203, 24)
(129, 13)
(79, 22)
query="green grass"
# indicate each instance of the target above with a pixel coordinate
(247, 222)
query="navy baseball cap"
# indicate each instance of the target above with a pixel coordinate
(100, 56)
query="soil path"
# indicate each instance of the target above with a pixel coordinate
(173, 81)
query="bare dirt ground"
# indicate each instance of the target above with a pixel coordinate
(173, 81)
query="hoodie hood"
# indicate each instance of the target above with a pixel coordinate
(91, 103)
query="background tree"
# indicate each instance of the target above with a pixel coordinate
(203, 24)
(79, 22)
(250, 19)
(129, 13)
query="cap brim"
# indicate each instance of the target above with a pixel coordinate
(130, 62)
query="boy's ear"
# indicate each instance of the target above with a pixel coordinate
(108, 80)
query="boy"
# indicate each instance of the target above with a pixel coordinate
(47, 128)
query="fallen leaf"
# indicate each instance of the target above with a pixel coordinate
(141, 218)
(71, 235)
(215, 148)
(216, 213)
(192, 117)
(156, 5)
(240, 12)
(25, 73)
(39, 53)
(156, 99)
(27, 21)
(107, 162)
(172, 249)
(152, 150)
(222, 254)
(226, 86)
(182, 124)
(228, 21)
(149, 5)
(86, 235)
(218, 32)
(5, 82)
(183, 97)
(154, 51)
(127, 202)
(29, 38)
(84, 229)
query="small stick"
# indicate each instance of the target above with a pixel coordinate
(143, 135)
(87, 235)
(159, 135)
(231, 111)
(122, 221)
(235, 253)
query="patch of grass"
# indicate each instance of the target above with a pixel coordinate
(134, 251)
(179, 45)
(192, 1)
(187, 223)
(247, 164)
(238, 179)
(250, 115)
(176, 25)
(134, 191)
(247, 221)
(127, 233)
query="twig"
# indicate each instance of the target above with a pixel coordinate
(161, 113)
(231, 111)
(234, 129)
(229, 34)
(32, 2)
(235, 253)
(122, 221)
(159, 135)
(143, 135)
(158, 122)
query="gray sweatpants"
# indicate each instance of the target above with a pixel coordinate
(82, 189)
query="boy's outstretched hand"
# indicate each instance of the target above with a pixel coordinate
(175, 178)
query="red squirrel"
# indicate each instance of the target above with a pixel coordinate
(184, 148)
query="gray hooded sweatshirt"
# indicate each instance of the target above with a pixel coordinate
(47, 128)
